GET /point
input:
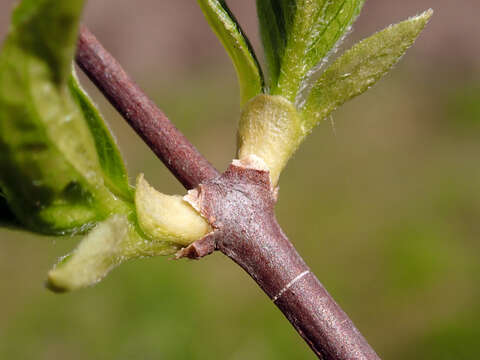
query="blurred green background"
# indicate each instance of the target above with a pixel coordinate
(384, 205)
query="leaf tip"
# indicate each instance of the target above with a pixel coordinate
(56, 285)
(423, 18)
(428, 13)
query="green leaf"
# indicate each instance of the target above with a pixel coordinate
(229, 32)
(165, 224)
(275, 18)
(50, 171)
(60, 170)
(47, 29)
(111, 243)
(298, 35)
(360, 68)
(111, 161)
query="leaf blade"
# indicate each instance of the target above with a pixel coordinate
(109, 155)
(275, 19)
(237, 45)
(361, 67)
(319, 26)
(111, 243)
(48, 29)
(304, 31)
(49, 169)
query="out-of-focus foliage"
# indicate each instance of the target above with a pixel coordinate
(50, 172)
(6, 216)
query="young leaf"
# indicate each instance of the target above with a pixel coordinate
(229, 32)
(108, 245)
(275, 18)
(111, 161)
(167, 217)
(49, 168)
(298, 35)
(163, 225)
(360, 68)
(47, 29)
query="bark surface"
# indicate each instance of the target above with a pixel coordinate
(170, 145)
(240, 206)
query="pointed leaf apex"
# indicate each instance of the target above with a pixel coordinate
(418, 22)
(361, 67)
(427, 14)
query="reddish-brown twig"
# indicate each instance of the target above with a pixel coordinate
(240, 206)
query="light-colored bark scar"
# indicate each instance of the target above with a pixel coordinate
(289, 285)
